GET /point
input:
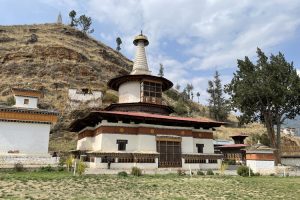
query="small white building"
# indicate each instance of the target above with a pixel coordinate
(261, 159)
(24, 130)
(139, 131)
(88, 97)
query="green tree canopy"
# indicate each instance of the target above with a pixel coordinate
(217, 104)
(74, 21)
(268, 91)
(119, 42)
(85, 23)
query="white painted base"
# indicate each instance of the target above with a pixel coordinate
(27, 160)
(291, 161)
(261, 166)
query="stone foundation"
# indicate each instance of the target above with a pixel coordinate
(27, 160)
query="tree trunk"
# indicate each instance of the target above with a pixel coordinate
(271, 134)
(278, 142)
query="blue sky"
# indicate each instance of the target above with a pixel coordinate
(191, 38)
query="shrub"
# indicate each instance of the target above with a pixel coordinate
(123, 174)
(110, 98)
(180, 172)
(230, 162)
(210, 172)
(223, 167)
(81, 166)
(135, 171)
(257, 174)
(10, 101)
(69, 162)
(47, 169)
(180, 108)
(244, 171)
(18, 167)
(200, 173)
(61, 168)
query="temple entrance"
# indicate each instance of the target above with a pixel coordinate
(169, 153)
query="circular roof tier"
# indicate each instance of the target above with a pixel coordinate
(141, 37)
(116, 82)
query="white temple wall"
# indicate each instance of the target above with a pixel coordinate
(130, 92)
(146, 143)
(24, 137)
(85, 143)
(187, 145)
(208, 145)
(261, 166)
(109, 142)
(33, 101)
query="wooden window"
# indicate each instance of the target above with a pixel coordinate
(200, 148)
(122, 145)
(26, 101)
(151, 92)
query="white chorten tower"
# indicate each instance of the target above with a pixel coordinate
(140, 65)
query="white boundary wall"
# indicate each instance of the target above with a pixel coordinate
(261, 166)
(26, 138)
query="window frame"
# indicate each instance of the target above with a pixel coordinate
(122, 145)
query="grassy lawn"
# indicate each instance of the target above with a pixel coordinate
(62, 185)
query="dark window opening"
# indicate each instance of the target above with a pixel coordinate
(200, 148)
(26, 101)
(122, 145)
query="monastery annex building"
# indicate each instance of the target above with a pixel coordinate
(139, 131)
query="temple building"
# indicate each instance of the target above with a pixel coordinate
(234, 152)
(139, 131)
(24, 130)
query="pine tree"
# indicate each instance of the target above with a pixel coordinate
(74, 21)
(119, 42)
(198, 96)
(218, 105)
(85, 23)
(161, 70)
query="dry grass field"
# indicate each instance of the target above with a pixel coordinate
(62, 185)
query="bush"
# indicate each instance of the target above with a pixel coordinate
(18, 167)
(123, 174)
(61, 168)
(180, 108)
(110, 98)
(210, 172)
(69, 162)
(47, 169)
(81, 166)
(180, 172)
(200, 173)
(244, 171)
(230, 162)
(257, 174)
(135, 171)
(10, 101)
